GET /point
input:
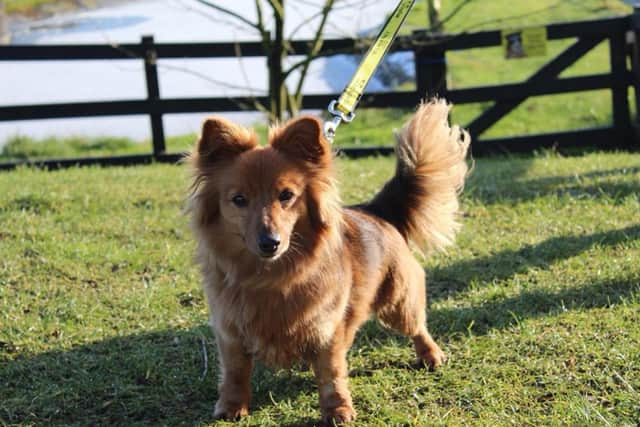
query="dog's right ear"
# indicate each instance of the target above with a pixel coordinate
(221, 140)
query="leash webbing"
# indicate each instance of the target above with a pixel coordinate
(344, 108)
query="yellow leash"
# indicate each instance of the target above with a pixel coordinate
(343, 110)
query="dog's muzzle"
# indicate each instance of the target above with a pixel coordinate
(268, 244)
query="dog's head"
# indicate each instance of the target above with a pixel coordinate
(265, 200)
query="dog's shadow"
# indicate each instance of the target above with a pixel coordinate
(146, 378)
(158, 378)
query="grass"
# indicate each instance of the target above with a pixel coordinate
(477, 15)
(103, 320)
(24, 147)
(35, 7)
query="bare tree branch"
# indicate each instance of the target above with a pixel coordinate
(512, 17)
(277, 7)
(230, 13)
(304, 23)
(208, 79)
(308, 59)
(230, 21)
(358, 5)
(265, 37)
(315, 48)
(453, 13)
(434, 14)
(260, 23)
(276, 47)
(309, 3)
(220, 84)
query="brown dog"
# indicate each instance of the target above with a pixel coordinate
(291, 274)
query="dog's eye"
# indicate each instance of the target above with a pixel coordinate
(239, 200)
(285, 196)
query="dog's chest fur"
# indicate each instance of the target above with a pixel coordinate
(279, 327)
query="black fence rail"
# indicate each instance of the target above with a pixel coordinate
(430, 66)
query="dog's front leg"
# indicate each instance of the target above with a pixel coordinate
(234, 388)
(330, 367)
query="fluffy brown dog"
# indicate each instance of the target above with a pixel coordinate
(291, 274)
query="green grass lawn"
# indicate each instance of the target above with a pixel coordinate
(102, 320)
(36, 7)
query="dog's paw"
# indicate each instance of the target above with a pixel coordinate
(433, 357)
(338, 416)
(230, 411)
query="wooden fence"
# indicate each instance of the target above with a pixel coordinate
(430, 66)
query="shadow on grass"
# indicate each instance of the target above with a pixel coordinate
(490, 190)
(506, 312)
(496, 314)
(147, 379)
(501, 312)
(455, 278)
(157, 378)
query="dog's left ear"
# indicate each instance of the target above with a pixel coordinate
(303, 139)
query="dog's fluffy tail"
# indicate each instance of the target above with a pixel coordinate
(421, 200)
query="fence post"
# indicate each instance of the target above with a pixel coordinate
(635, 67)
(431, 70)
(153, 94)
(620, 98)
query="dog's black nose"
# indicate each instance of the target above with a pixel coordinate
(268, 243)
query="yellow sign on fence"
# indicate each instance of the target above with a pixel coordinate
(524, 42)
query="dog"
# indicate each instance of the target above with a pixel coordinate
(290, 274)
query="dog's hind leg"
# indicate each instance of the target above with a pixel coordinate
(428, 351)
(404, 310)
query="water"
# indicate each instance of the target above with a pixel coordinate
(168, 21)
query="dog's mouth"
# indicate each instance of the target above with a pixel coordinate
(269, 256)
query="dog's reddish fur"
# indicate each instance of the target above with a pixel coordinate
(335, 266)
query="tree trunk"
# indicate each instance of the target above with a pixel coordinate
(277, 89)
(434, 15)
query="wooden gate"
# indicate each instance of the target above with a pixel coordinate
(544, 81)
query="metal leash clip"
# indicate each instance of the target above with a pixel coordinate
(338, 117)
(343, 108)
